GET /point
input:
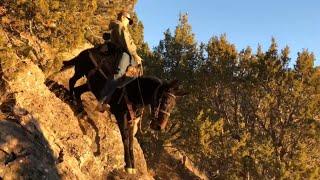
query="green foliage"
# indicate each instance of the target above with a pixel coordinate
(177, 53)
(247, 115)
(42, 30)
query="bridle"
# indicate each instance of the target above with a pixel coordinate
(154, 98)
(158, 108)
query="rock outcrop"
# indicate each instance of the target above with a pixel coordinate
(41, 138)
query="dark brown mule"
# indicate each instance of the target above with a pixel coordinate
(142, 91)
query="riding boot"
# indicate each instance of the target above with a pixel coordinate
(106, 95)
(119, 80)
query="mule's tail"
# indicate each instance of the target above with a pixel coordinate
(68, 64)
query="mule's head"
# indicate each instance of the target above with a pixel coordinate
(165, 98)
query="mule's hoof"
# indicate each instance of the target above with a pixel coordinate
(80, 115)
(131, 170)
(102, 107)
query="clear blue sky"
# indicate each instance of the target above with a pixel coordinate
(295, 23)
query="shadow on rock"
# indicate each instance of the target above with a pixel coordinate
(24, 151)
(63, 94)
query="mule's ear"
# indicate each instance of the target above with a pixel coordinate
(173, 84)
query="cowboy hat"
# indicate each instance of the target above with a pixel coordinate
(127, 15)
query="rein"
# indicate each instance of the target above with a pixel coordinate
(157, 109)
(142, 112)
(143, 104)
(155, 94)
(172, 95)
(129, 106)
(164, 112)
(94, 61)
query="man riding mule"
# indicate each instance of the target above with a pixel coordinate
(116, 60)
(160, 96)
(121, 40)
(126, 94)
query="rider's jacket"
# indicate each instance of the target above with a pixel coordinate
(121, 38)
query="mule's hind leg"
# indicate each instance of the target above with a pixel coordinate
(72, 82)
(77, 94)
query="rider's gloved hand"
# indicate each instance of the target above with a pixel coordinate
(138, 59)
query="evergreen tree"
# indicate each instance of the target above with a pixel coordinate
(247, 115)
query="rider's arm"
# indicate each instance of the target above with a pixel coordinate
(130, 46)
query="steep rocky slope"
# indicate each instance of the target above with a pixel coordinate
(41, 138)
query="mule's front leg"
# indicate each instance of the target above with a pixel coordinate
(72, 82)
(124, 130)
(133, 127)
(132, 170)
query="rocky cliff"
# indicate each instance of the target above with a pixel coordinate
(41, 138)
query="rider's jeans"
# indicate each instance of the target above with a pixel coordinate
(123, 65)
(111, 85)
